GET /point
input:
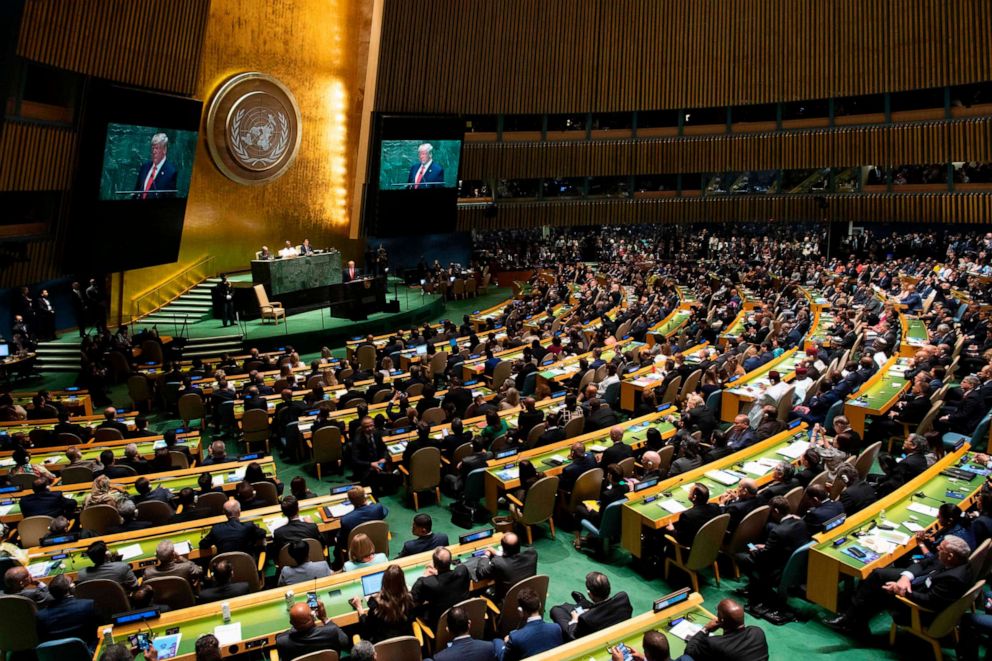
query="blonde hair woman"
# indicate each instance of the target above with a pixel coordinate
(361, 553)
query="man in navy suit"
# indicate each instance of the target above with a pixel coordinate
(425, 173)
(462, 646)
(425, 539)
(534, 635)
(67, 617)
(158, 174)
(363, 512)
(233, 534)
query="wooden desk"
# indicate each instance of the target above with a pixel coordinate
(914, 335)
(91, 421)
(263, 615)
(74, 400)
(750, 387)
(828, 563)
(634, 384)
(54, 459)
(643, 509)
(552, 375)
(878, 394)
(594, 646)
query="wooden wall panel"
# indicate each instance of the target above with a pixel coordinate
(935, 208)
(154, 45)
(521, 56)
(35, 157)
(899, 144)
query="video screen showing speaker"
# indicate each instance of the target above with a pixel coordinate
(414, 172)
(146, 162)
(136, 156)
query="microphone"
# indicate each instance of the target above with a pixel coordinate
(920, 494)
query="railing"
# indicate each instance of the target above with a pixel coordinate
(171, 288)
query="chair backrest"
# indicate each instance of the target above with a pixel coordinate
(401, 648)
(255, 421)
(601, 373)
(245, 568)
(377, 531)
(947, 620)
(76, 475)
(315, 549)
(586, 379)
(321, 655)
(266, 491)
(99, 518)
(462, 451)
(750, 528)
(151, 351)
(32, 529)
(540, 502)
(795, 498)
(23, 481)
(501, 373)
(832, 412)
(476, 609)
(706, 544)
(671, 391)
(927, 423)
(156, 511)
(327, 445)
(439, 363)
(794, 571)
(611, 396)
(627, 466)
(575, 426)
(866, 459)
(108, 597)
(381, 396)
(819, 480)
(191, 407)
(366, 357)
(414, 389)
(212, 502)
(65, 438)
(509, 616)
(609, 522)
(586, 488)
(977, 559)
(979, 439)
(63, 649)
(137, 388)
(104, 434)
(690, 384)
(474, 487)
(17, 624)
(785, 404)
(433, 416)
(173, 591)
(666, 455)
(178, 459)
(261, 296)
(354, 402)
(425, 469)
(713, 402)
(534, 435)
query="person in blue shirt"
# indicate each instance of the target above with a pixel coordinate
(67, 616)
(534, 634)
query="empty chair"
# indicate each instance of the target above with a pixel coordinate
(23, 481)
(255, 427)
(586, 488)
(139, 391)
(104, 434)
(424, 474)
(173, 591)
(866, 459)
(245, 568)
(608, 530)
(156, 511)
(212, 503)
(270, 309)
(703, 552)
(190, 409)
(267, 492)
(109, 597)
(178, 460)
(433, 416)
(401, 648)
(99, 518)
(32, 529)
(366, 357)
(575, 426)
(17, 624)
(750, 528)
(327, 447)
(538, 506)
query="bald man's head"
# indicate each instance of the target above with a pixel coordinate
(730, 614)
(232, 509)
(651, 460)
(616, 434)
(510, 544)
(301, 618)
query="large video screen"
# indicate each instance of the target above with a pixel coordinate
(146, 162)
(136, 157)
(413, 175)
(419, 164)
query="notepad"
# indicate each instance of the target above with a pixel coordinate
(597, 448)
(337, 511)
(912, 526)
(755, 468)
(275, 522)
(722, 477)
(5, 509)
(508, 474)
(40, 569)
(591, 505)
(672, 505)
(685, 629)
(794, 450)
(923, 509)
(130, 551)
(228, 634)
(217, 480)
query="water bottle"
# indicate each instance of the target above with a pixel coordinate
(108, 636)
(289, 599)
(225, 609)
(881, 515)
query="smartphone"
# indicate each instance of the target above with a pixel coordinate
(312, 600)
(140, 641)
(858, 553)
(751, 547)
(625, 651)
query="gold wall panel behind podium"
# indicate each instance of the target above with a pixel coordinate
(317, 48)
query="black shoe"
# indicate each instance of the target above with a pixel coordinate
(577, 597)
(840, 623)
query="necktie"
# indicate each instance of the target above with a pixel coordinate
(148, 183)
(420, 175)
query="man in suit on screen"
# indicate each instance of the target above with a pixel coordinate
(425, 173)
(158, 174)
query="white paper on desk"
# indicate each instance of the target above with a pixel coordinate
(130, 551)
(795, 450)
(228, 634)
(755, 468)
(275, 522)
(4, 509)
(912, 526)
(685, 629)
(769, 461)
(722, 477)
(672, 506)
(238, 475)
(878, 545)
(7, 462)
(217, 480)
(337, 511)
(597, 448)
(894, 536)
(39, 569)
(923, 509)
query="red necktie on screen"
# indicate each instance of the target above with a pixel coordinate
(148, 184)
(420, 175)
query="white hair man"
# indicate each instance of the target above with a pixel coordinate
(426, 172)
(158, 176)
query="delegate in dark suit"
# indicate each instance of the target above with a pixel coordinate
(68, 618)
(534, 637)
(692, 519)
(436, 594)
(47, 503)
(224, 592)
(359, 515)
(293, 643)
(294, 530)
(745, 644)
(506, 570)
(424, 543)
(434, 174)
(466, 648)
(233, 535)
(166, 179)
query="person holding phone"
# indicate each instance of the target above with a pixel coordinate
(654, 644)
(305, 635)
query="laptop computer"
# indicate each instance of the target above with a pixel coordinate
(372, 583)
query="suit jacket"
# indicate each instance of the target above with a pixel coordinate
(436, 594)
(572, 471)
(433, 175)
(467, 649)
(601, 419)
(739, 509)
(368, 512)
(222, 592)
(857, 497)
(601, 615)
(968, 414)
(508, 570)
(816, 517)
(183, 569)
(293, 643)
(694, 518)
(158, 493)
(532, 638)
(914, 464)
(527, 421)
(783, 538)
(946, 585)
(69, 618)
(615, 454)
(348, 276)
(119, 572)
(166, 179)
(233, 535)
(293, 531)
(747, 644)
(48, 503)
(914, 410)
(425, 543)
(113, 424)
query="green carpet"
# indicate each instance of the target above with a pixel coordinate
(568, 567)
